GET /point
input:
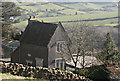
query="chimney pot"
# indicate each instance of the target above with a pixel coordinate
(30, 17)
(34, 17)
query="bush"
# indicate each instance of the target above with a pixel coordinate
(58, 68)
(17, 36)
(84, 72)
(95, 73)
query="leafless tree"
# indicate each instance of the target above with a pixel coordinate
(84, 39)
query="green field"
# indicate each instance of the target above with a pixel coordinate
(55, 12)
(9, 76)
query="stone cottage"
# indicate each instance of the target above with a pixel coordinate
(42, 44)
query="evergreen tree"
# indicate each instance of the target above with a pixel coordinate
(109, 52)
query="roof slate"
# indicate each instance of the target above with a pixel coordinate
(38, 33)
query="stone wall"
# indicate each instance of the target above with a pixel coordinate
(39, 72)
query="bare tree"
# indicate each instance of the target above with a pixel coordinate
(84, 39)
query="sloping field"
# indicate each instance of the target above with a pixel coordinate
(55, 12)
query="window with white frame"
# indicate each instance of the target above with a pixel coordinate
(59, 63)
(59, 46)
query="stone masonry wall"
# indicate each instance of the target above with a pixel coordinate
(40, 72)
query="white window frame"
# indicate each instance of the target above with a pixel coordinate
(60, 60)
(60, 42)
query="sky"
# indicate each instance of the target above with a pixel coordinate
(61, 0)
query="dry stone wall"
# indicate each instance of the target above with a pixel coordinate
(40, 72)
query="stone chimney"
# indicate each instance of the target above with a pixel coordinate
(34, 17)
(30, 19)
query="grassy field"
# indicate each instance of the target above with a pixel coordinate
(10, 77)
(55, 12)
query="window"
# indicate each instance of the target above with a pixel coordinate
(59, 47)
(29, 55)
(29, 63)
(59, 63)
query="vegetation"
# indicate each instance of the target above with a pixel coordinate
(109, 54)
(67, 12)
(83, 36)
(9, 10)
(61, 12)
(9, 76)
(84, 39)
(58, 68)
(17, 35)
(98, 72)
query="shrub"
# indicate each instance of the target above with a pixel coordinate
(84, 72)
(58, 68)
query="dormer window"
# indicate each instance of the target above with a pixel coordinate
(59, 46)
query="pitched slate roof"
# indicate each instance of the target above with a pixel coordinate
(38, 33)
